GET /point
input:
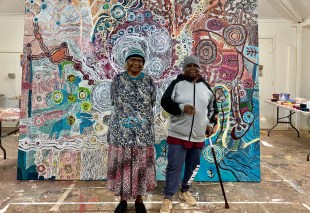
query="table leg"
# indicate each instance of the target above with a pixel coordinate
(308, 157)
(290, 120)
(276, 123)
(3, 149)
(289, 117)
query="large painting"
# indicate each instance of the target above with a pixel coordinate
(74, 48)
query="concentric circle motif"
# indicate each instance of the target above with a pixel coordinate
(206, 51)
(148, 14)
(156, 67)
(160, 41)
(38, 121)
(140, 17)
(101, 96)
(118, 12)
(71, 78)
(86, 106)
(121, 47)
(130, 29)
(100, 128)
(186, 10)
(57, 97)
(71, 98)
(235, 35)
(248, 117)
(61, 141)
(120, 32)
(160, 160)
(208, 156)
(94, 140)
(138, 29)
(131, 16)
(41, 168)
(82, 94)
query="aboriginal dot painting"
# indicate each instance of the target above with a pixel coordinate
(74, 48)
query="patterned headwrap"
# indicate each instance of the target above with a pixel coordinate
(135, 53)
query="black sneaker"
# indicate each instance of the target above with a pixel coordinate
(140, 208)
(121, 207)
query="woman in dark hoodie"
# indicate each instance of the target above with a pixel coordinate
(192, 106)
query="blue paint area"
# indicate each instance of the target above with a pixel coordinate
(86, 121)
(24, 172)
(161, 159)
(76, 82)
(58, 127)
(60, 70)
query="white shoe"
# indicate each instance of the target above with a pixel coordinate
(188, 198)
(166, 206)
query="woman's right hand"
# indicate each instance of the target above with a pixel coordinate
(189, 109)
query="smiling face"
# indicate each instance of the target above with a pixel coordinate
(192, 71)
(134, 66)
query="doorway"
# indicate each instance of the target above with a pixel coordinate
(266, 81)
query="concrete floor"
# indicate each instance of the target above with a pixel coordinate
(285, 185)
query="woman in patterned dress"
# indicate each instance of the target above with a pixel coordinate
(131, 160)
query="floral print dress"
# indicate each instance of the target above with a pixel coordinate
(131, 159)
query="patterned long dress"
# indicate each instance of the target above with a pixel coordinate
(131, 137)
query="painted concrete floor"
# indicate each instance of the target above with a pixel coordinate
(285, 185)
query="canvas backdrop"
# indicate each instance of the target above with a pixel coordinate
(74, 48)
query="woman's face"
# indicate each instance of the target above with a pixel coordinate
(135, 65)
(191, 70)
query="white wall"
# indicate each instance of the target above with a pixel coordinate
(305, 69)
(11, 47)
(284, 52)
(285, 34)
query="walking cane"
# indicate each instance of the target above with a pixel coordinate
(218, 172)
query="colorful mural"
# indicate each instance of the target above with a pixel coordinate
(73, 49)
